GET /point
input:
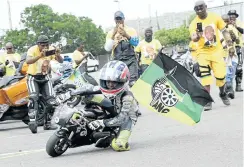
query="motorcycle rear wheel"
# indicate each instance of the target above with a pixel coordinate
(40, 114)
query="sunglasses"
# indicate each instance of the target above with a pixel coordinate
(43, 45)
(200, 7)
(118, 18)
(9, 48)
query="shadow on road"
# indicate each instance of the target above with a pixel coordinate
(9, 122)
(89, 151)
(14, 128)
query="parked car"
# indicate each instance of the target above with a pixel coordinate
(92, 63)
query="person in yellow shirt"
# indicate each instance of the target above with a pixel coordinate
(10, 61)
(121, 41)
(239, 47)
(79, 57)
(38, 80)
(147, 49)
(204, 30)
(193, 49)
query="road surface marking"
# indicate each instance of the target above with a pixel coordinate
(20, 153)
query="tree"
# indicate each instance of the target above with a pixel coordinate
(21, 39)
(173, 36)
(41, 19)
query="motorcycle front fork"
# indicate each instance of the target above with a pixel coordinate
(66, 145)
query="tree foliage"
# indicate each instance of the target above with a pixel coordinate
(60, 28)
(173, 36)
(21, 39)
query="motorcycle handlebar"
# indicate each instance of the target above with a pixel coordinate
(84, 93)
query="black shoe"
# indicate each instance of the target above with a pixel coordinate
(138, 113)
(238, 88)
(224, 98)
(33, 126)
(208, 107)
(48, 126)
(229, 91)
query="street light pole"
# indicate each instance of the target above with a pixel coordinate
(117, 1)
(9, 15)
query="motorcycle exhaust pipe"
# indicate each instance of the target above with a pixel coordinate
(98, 135)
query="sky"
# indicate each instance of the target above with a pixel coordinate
(100, 11)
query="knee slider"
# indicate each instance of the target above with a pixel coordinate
(33, 100)
(203, 72)
(220, 79)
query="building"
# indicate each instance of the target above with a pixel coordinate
(174, 20)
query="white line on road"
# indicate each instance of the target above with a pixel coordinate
(10, 137)
(15, 154)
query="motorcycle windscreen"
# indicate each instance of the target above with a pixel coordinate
(62, 114)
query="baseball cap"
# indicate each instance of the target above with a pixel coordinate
(119, 14)
(233, 12)
(199, 2)
(42, 39)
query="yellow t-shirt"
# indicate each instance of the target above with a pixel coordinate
(147, 49)
(193, 49)
(10, 68)
(42, 65)
(129, 30)
(210, 41)
(77, 56)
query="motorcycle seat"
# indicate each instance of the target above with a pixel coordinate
(6, 80)
(97, 112)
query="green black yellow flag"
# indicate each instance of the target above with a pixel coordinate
(168, 88)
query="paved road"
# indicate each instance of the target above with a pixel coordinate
(156, 141)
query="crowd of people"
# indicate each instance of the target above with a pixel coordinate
(216, 47)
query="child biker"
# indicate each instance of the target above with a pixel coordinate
(114, 84)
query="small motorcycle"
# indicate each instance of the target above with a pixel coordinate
(184, 59)
(14, 96)
(73, 127)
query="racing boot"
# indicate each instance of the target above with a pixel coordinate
(229, 90)
(208, 106)
(47, 122)
(32, 124)
(223, 95)
(121, 143)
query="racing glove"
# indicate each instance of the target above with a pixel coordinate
(94, 125)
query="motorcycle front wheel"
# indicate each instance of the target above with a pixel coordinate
(55, 146)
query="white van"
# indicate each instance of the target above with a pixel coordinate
(92, 63)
